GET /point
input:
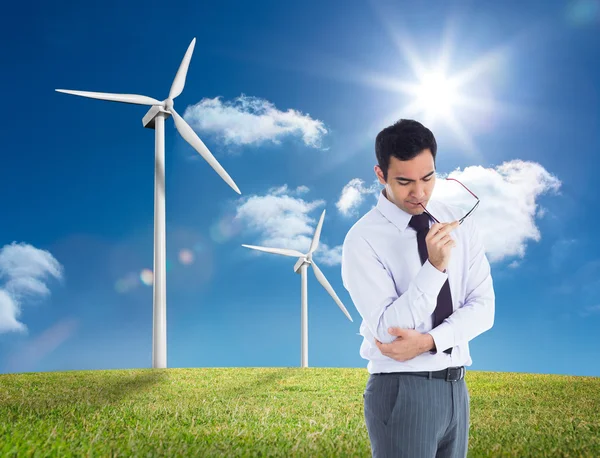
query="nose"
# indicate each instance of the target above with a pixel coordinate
(418, 191)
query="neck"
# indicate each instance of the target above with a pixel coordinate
(386, 196)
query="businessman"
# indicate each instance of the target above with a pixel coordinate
(424, 290)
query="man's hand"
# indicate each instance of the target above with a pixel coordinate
(440, 243)
(410, 343)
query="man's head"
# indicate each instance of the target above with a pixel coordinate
(406, 164)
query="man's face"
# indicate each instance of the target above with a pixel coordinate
(409, 182)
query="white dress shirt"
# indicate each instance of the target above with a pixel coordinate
(382, 271)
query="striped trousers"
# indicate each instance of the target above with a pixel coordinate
(416, 417)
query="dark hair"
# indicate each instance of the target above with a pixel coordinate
(404, 140)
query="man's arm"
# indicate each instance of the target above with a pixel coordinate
(373, 291)
(428, 343)
(477, 314)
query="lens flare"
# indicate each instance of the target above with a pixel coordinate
(583, 12)
(147, 277)
(186, 256)
(129, 282)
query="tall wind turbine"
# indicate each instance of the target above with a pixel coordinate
(301, 265)
(155, 119)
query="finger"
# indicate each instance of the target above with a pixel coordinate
(445, 230)
(444, 240)
(441, 241)
(438, 229)
(449, 227)
(435, 227)
(435, 230)
(450, 242)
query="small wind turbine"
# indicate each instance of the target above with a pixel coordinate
(303, 261)
(155, 119)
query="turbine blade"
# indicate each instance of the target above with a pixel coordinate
(283, 251)
(179, 80)
(329, 289)
(125, 98)
(190, 136)
(315, 241)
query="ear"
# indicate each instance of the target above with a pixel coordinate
(379, 174)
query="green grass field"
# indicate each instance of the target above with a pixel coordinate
(285, 412)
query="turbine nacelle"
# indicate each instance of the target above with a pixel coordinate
(165, 107)
(300, 262)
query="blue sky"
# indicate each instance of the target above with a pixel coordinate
(289, 98)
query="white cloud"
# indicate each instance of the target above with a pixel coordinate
(25, 270)
(9, 311)
(252, 121)
(353, 195)
(329, 256)
(507, 209)
(283, 190)
(282, 220)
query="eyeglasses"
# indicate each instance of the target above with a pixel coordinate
(460, 221)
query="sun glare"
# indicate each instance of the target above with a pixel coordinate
(435, 96)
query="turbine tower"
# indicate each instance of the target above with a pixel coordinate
(155, 119)
(301, 265)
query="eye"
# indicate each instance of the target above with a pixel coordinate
(406, 184)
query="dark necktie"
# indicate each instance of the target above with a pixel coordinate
(443, 309)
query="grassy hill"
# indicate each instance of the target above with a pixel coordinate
(313, 412)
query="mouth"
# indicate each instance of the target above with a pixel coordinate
(415, 204)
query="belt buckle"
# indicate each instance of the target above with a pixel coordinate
(453, 370)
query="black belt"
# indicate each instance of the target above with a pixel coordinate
(451, 374)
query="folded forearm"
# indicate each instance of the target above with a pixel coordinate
(412, 308)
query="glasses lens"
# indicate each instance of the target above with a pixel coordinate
(460, 221)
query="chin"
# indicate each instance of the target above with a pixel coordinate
(415, 210)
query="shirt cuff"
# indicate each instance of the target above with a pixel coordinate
(443, 337)
(430, 280)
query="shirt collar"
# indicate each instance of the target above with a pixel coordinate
(393, 213)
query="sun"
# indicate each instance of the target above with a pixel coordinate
(436, 96)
